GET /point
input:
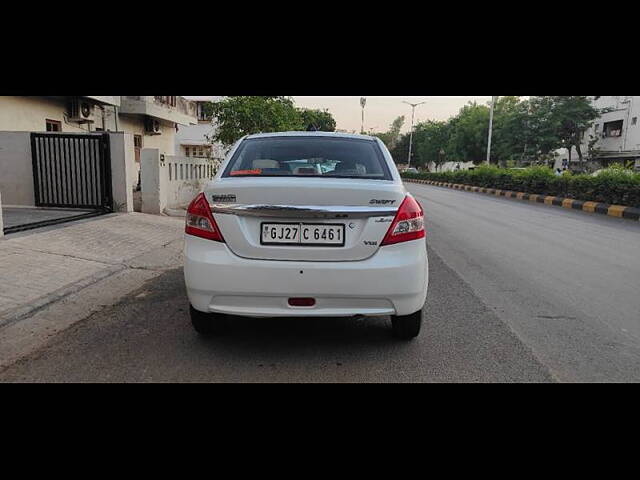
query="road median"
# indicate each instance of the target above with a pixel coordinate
(618, 211)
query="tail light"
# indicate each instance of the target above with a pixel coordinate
(408, 224)
(302, 302)
(200, 222)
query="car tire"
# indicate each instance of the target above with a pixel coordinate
(407, 327)
(208, 323)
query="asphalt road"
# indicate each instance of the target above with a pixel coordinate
(148, 337)
(566, 282)
(519, 293)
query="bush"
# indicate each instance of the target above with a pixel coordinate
(612, 185)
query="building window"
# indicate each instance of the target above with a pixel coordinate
(53, 125)
(171, 101)
(634, 120)
(198, 151)
(612, 129)
(202, 116)
(137, 147)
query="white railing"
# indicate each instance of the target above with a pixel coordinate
(172, 181)
(186, 177)
(190, 168)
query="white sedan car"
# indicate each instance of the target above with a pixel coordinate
(306, 224)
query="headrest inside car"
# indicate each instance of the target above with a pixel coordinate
(304, 171)
(266, 164)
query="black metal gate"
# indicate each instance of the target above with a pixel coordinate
(72, 170)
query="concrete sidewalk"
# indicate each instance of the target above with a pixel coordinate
(86, 265)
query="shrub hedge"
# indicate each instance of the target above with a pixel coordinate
(613, 185)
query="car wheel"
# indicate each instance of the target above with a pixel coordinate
(207, 323)
(407, 327)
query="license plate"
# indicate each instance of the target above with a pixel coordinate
(302, 234)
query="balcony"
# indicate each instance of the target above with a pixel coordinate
(172, 109)
(107, 100)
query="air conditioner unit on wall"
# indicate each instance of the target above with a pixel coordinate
(151, 126)
(80, 110)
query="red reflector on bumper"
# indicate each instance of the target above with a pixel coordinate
(302, 302)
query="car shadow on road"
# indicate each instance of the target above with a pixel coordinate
(305, 331)
(148, 337)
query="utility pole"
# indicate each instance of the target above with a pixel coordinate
(363, 102)
(493, 101)
(629, 102)
(413, 111)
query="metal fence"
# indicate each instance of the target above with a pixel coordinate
(72, 170)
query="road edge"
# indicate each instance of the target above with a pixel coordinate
(618, 211)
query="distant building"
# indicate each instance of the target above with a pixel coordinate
(449, 166)
(152, 121)
(617, 134)
(194, 140)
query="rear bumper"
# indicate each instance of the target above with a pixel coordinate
(394, 281)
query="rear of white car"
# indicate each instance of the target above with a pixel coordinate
(306, 224)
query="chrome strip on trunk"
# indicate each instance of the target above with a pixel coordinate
(306, 211)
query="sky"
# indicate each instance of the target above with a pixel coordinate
(381, 111)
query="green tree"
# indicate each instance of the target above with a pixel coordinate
(391, 137)
(244, 115)
(469, 131)
(540, 130)
(400, 151)
(317, 120)
(523, 131)
(509, 136)
(572, 116)
(431, 141)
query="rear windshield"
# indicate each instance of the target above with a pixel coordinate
(309, 157)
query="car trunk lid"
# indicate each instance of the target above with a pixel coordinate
(243, 207)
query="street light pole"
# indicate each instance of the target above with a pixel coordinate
(493, 101)
(363, 102)
(413, 111)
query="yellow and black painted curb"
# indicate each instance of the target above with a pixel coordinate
(619, 211)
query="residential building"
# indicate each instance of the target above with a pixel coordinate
(195, 140)
(152, 121)
(616, 134)
(450, 166)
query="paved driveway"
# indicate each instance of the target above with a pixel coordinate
(38, 266)
(14, 216)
